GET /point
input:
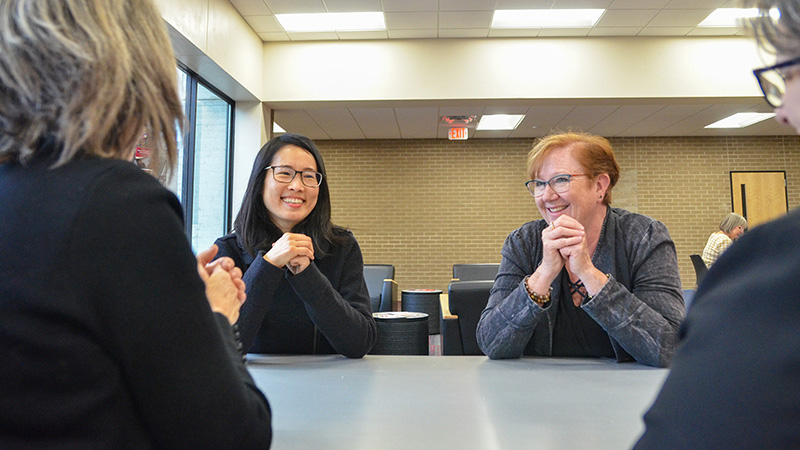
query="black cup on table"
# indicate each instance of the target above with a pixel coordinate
(424, 301)
(401, 333)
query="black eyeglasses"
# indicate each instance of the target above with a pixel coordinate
(773, 81)
(285, 174)
(559, 184)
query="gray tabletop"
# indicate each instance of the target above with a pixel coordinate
(454, 402)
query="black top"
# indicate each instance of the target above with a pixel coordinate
(323, 309)
(734, 379)
(106, 336)
(575, 333)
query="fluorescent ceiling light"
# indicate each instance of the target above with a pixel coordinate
(499, 121)
(357, 21)
(277, 128)
(731, 17)
(741, 120)
(546, 18)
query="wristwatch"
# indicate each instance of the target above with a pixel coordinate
(541, 300)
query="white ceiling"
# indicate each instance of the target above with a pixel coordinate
(426, 19)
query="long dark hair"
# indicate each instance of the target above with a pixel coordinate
(254, 229)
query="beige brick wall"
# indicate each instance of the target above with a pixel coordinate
(424, 205)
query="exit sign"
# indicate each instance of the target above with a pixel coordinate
(457, 134)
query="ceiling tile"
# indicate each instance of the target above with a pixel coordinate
(695, 4)
(417, 123)
(353, 5)
(615, 31)
(665, 31)
(524, 4)
(469, 19)
(411, 20)
(295, 6)
(362, 35)
(413, 34)
(627, 18)
(581, 4)
(679, 17)
(638, 4)
(264, 24)
(467, 5)
(251, 7)
(337, 123)
(377, 123)
(410, 5)
(463, 33)
(298, 121)
(584, 117)
(274, 37)
(321, 36)
(514, 32)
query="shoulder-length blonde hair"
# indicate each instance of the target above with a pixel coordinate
(89, 75)
(593, 153)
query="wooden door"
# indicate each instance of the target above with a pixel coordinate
(759, 196)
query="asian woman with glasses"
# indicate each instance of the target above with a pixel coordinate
(305, 283)
(733, 381)
(586, 279)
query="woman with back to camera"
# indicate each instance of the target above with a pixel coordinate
(587, 279)
(730, 228)
(305, 276)
(733, 382)
(107, 339)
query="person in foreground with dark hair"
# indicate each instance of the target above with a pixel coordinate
(305, 276)
(112, 333)
(734, 379)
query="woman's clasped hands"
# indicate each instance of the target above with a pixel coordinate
(225, 288)
(293, 251)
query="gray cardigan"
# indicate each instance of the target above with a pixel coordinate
(641, 306)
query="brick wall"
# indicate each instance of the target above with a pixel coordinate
(424, 205)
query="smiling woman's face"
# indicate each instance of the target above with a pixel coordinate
(581, 201)
(289, 203)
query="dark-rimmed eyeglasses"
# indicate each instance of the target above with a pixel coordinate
(285, 174)
(772, 81)
(559, 184)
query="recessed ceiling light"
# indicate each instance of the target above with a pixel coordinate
(356, 21)
(732, 17)
(277, 128)
(546, 18)
(499, 121)
(741, 120)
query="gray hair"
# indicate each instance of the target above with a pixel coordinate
(731, 221)
(91, 76)
(776, 36)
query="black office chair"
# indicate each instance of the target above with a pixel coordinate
(459, 320)
(472, 272)
(381, 286)
(700, 268)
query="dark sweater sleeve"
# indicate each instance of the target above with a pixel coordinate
(178, 359)
(261, 279)
(343, 316)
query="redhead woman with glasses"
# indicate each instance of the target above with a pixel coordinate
(587, 279)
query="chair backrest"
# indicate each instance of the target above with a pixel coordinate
(467, 299)
(700, 268)
(374, 274)
(470, 272)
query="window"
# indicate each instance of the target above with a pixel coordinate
(202, 179)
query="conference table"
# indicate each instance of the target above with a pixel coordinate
(454, 402)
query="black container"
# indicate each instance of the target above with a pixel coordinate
(424, 301)
(401, 333)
